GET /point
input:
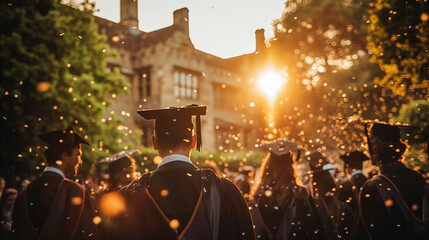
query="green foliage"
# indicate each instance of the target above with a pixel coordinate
(416, 114)
(231, 161)
(53, 75)
(317, 37)
(417, 155)
(399, 41)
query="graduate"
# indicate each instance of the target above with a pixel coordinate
(348, 191)
(281, 209)
(52, 206)
(121, 169)
(336, 217)
(179, 200)
(393, 204)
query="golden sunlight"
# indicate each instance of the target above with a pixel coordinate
(270, 83)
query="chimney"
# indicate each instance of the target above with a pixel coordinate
(260, 40)
(181, 19)
(129, 14)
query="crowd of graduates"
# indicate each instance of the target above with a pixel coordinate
(181, 200)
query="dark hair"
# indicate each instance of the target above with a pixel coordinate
(278, 176)
(174, 133)
(117, 167)
(324, 182)
(54, 152)
(384, 152)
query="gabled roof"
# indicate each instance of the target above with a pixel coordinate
(119, 35)
(122, 36)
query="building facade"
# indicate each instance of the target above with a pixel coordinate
(163, 68)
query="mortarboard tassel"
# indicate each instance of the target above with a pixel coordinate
(198, 127)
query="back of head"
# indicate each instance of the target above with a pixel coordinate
(120, 164)
(172, 133)
(354, 160)
(61, 141)
(386, 145)
(119, 169)
(53, 153)
(277, 179)
(174, 127)
(323, 181)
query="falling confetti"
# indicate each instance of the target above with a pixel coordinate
(174, 224)
(43, 86)
(112, 204)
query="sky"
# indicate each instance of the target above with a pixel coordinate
(224, 28)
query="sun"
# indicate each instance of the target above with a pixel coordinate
(270, 83)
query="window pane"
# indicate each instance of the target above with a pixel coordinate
(176, 91)
(194, 94)
(182, 92)
(195, 82)
(176, 78)
(188, 80)
(182, 78)
(188, 93)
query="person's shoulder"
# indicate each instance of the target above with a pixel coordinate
(370, 186)
(136, 185)
(208, 173)
(344, 184)
(72, 184)
(228, 186)
(414, 174)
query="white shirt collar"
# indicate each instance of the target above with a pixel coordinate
(357, 172)
(173, 158)
(55, 170)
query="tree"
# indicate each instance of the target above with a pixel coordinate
(399, 41)
(323, 46)
(416, 114)
(53, 75)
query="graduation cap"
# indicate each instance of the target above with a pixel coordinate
(118, 156)
(386, 131)
(176, 120)
(318, 162)
(282, 147)
(354, 159)
(67, 136)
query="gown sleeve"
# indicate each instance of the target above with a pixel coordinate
(86, 228)
(374, 215)
(235, 219)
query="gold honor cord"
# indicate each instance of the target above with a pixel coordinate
(168, 220)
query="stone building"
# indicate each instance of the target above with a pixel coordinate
(164, 69)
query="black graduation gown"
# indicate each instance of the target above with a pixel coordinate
(175, 189)
(296, 220)
(336, 217)
(347, 194)
(377, 220)
(33, 208)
